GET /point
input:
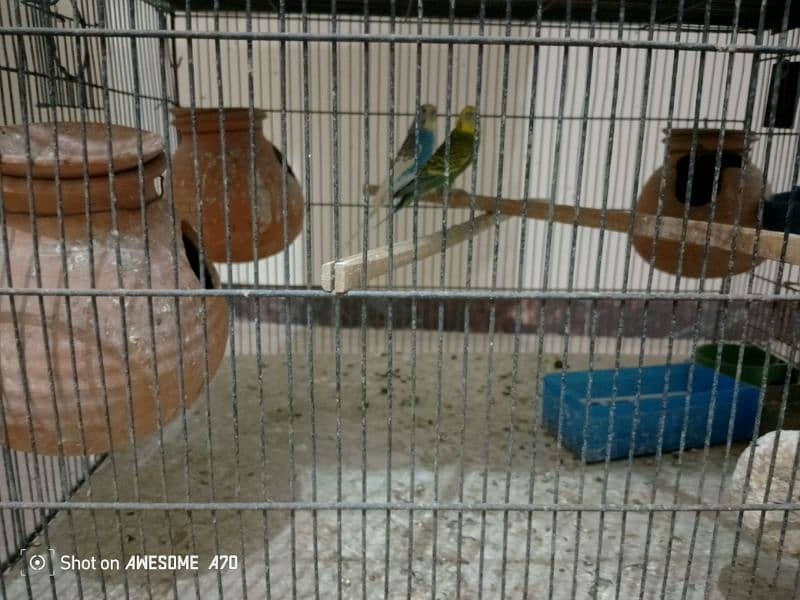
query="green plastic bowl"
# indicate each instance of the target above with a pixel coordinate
(753, 360)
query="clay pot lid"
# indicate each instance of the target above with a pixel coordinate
(124, 143)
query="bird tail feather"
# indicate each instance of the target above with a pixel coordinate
(369, 225)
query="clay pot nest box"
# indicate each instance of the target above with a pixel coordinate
(680, 187)
(83, 374)
(227, 176)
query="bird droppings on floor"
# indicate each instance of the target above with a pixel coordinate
(380, 428)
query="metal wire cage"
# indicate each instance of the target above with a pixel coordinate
(378, 424)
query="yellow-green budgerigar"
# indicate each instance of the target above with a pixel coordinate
(432, 176)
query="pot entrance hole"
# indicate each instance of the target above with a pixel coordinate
(702, 175)
(193, 256)
(282, 160)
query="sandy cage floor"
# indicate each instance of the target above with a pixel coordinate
(565, 564)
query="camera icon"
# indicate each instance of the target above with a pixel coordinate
(37, 562)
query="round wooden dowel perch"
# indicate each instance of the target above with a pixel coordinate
(720, 235)
(350, 272)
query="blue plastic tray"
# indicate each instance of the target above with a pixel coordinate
(585, 421)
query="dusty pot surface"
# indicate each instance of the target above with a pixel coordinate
(679, 190)
(209, 188)
(88, 374)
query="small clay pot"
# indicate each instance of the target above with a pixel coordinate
(116, 389)
(210, 189)
(677, 193)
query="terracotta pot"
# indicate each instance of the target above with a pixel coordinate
(118, 397)
(725, 203)
(210, 188)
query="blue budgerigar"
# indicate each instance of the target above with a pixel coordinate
(408, 160)
(414, 153)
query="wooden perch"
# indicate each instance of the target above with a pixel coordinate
(671, 228)
(346, 273)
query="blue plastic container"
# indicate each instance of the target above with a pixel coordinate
(586, 420)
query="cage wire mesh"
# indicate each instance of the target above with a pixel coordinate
(392, 441)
